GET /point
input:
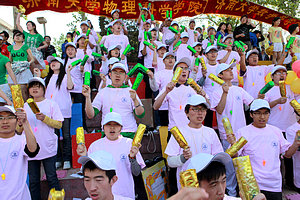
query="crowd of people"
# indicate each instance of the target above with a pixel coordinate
(111, 164)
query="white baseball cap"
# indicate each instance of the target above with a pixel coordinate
(202, 160)
(114, 46)
(113, 11)
(102, 159)
(184, 34)
(37, 79)
(81, 36)
(196, 43)
(115, 21)
(174, 22)
(113, 60)
(148, 21)
(210, 27)
(185, 60)
(223, 66)
(278, 67)
(70, 44)
(152, 29)
(168, 54)
(196, 100)
(258, 104)
(52, 58)
(161, 46)
(119, 66)
(85, 23)
(112, 117)
(251, 52)
(212, 47)
(227, 36)
(7, 108)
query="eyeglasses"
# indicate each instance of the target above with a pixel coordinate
(7, 118)
(261, 114)
(198, 109)
(185, 69)
(279, 73)
(117, 73)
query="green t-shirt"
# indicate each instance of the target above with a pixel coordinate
(3, 61)
(18, 55)
(33, 40)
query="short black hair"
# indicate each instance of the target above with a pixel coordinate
(257, 31)
(17, 32)
(5, 34)
(69, 33)
(244, 16)
(292, 28)
(275, 19)
(251, 112)
(47, 36)
(33, 83)
(211, 172)
(91, 166)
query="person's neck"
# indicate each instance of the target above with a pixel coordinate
(32, 32)
(276, 83)
(212, 62)
(256, 126)
(181, 82)
(294, 33)
(169, 67)
(195, 125)
(116, 85)
(38, 99)
(6, 136)
(56, 71)
(19, 43)
(110, 197)
(228, 82)
(117, 33)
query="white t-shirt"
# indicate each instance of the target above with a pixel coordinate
(116, 40)
(148, 58)
(290, 136)
(192, 36)
(183, 51)
(234, 108)
(176, 100)
(120, 101)
(77, 76)
(233, 55)
(281, 115)
(254, 78)
(44, 134)
(12, 153)
(206, 41)
(202, 140)
(120, 150)
(160, 65)
(264, 147)
(162, 79)
(61, 96)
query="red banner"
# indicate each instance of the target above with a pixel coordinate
(129, 9)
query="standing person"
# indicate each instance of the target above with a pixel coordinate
(201, 139)
(228, 101)
(116, 97)
(170, 36)
(99, 171)
(229, 29)
(5, 37)
(69, 38)
(59, 83)
(193, 34)
(211, 33)
(43, 123)
(182, 50)
(3, 48)
(91, 45)
(221, 30)
(50, 49)
(128, 158)
(21, 58)
(276, 39)
(115, 14)
(93, 32)
(164, 29)
(294, 30)
(227, 55)
(82, 50)
(264, 147)
(5, 68)
(158, 56)
(16, 151)
(34, 40)
(241, 32)
(291, 133)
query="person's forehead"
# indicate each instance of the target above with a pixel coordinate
(280, 70)
(182, 65)
(117, 23)
(262, 110)
(253, 55)
(118, 70)
(83, 25)
(170, 56)
(94, 173)
(6, 113)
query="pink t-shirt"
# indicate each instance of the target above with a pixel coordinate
(148, 58)
(202, 140)
(290, 136)
(77, 76)
(254, 78)
(281, 115)
(14, 186)
(169, 35)
(80, 55)
(192, 36)
(91, 39)
(205, 43)
(61, 96)
(117, 40)
(120, 150)
(160, 65)
(183, 51)
(44, 134)
(264, 147)
(162, 79)
(116, 197)
(165, 32)
(120, 101)
(176, 100)
(234, 108)
(233, 55)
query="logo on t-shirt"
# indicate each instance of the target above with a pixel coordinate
(259, 74)
(122, 157)
(124, 100)
(274, 144)
(14, 154)
(204, 146)
(238, 98)
(189, 95)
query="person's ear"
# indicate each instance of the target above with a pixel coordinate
(251, 115)
(113, 180)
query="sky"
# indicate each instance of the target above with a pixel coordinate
(56, 22)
